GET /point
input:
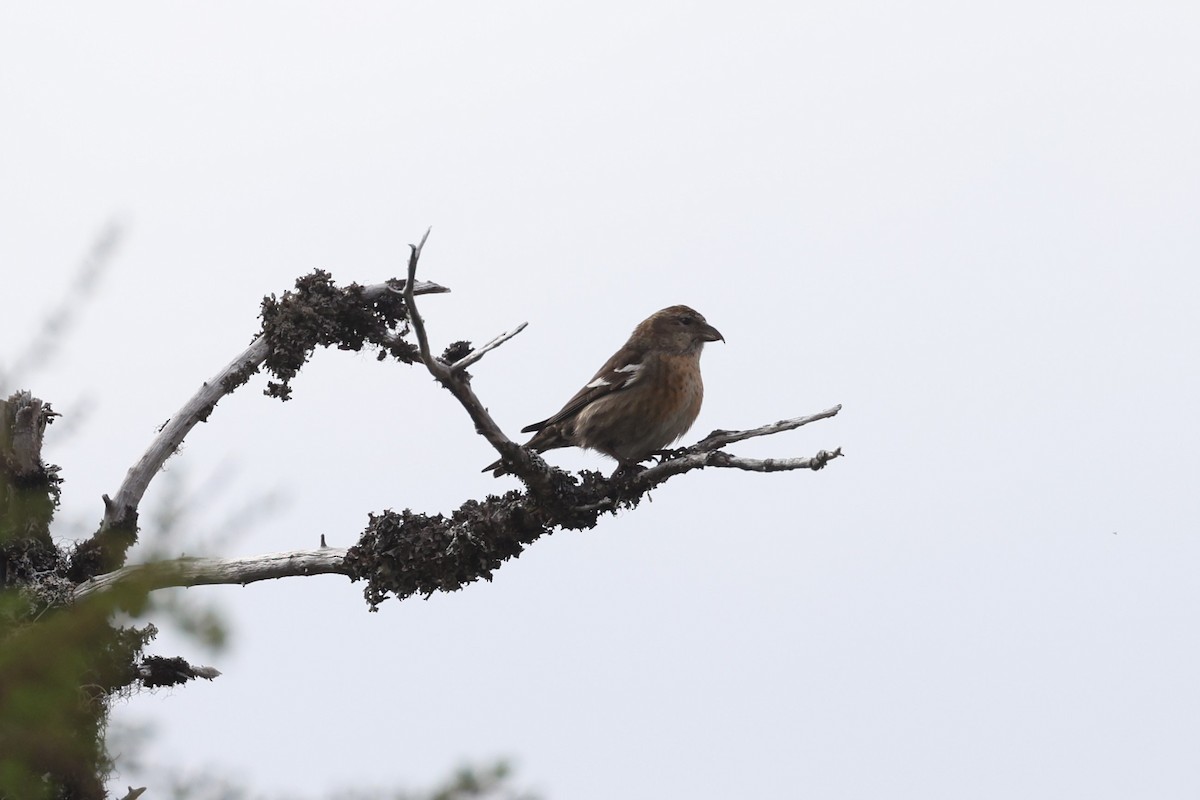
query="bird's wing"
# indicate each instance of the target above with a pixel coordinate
(620, 372)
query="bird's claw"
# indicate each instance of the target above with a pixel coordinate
(627, 472)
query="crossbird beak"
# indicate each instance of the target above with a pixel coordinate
(710, 334)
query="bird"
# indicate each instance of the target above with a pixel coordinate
(644, 398)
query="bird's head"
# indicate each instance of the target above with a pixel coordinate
(678, 329)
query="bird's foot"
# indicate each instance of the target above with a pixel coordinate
(626, 472)
(623, 490)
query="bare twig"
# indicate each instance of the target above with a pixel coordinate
(719, 458)
(527, 466)
(413, 314)
(210, 571)
(708, 453)
(648, 479)
(479, 352)
(815, 462)
(718, 439)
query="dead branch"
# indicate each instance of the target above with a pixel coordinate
(409, 553)
(708, 453)
(526, 465)
(718, 439)
(212, 571)
(478, 353)
(118, 529)
(197, 410)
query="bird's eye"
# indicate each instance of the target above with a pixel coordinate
(686, 320)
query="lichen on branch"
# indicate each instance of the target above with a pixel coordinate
(317, 313)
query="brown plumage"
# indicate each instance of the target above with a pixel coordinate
(644, 398)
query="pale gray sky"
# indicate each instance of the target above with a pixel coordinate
(973, 224)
